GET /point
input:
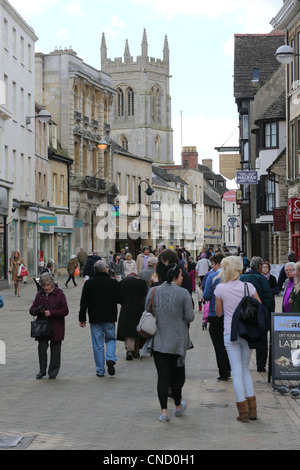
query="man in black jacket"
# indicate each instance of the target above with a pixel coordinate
(100, 298)
(255, 277)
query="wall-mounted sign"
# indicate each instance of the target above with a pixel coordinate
(246, 177)
(294, 209)
(232, 222)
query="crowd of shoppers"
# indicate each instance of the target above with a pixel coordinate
(172, 275)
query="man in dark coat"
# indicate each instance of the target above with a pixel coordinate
(255, 277)
(132, 295)
(89, 265)
(100, 298)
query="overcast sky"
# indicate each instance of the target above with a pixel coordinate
(200, 36)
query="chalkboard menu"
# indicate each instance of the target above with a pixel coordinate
(285, 340)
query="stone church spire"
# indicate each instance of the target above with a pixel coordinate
(127, 55)
(144, 44)
(103, 52)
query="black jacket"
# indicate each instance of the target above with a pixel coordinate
(252, 333)
(100, 295)
(89, 265)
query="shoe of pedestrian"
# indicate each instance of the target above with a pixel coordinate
(129, 356)
(222, 379)
(52, 376)
(110, 367)
(163, 418)
(99, 375)
(178, 412)
(66, 284)
(40, 375)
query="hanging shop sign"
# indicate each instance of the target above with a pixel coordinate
(246, 177)
(285, 330)
(294, 209)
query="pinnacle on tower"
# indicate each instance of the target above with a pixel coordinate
(166, 49)
(103, 51)
(144, 44)
(127, 55)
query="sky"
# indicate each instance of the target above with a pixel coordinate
(201, 42)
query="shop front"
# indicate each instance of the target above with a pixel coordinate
(46, 224)
(62, 241)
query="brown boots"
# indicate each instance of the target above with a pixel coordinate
(252, 407)
(247, 409)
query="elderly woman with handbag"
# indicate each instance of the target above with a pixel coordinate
(15, 264)
(50, 303)
(173, 309)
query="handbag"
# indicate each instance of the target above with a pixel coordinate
(147, 324)
(42, 328)
(22, 271)
(76, 272)
(248, 311)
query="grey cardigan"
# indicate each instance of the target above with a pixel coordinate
(174, 310)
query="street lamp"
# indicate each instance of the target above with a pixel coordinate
(285, 54)
(149, 191)
(44, 116)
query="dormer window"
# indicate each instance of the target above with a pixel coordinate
(271, 135)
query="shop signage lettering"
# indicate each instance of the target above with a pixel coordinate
(47, 221)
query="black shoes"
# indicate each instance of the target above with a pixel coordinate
(40, 375)
(110, 367)
(129, 356)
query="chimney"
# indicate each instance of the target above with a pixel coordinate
(208, 162)
(189, 157)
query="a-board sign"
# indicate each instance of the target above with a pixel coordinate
(285, 331)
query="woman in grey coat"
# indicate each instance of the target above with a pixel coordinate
(174, 311)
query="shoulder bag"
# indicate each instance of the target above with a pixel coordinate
(248, 308)
(147, 324)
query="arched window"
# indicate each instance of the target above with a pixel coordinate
(155, 104)
(130, 101)
(120, 102)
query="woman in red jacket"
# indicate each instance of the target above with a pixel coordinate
(50, 302)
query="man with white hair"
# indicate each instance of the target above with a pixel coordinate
(99, 298)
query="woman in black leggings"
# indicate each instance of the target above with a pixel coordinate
(174, 311)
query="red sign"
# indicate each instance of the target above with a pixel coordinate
(279, 220)
(294, 209)
(230, 196)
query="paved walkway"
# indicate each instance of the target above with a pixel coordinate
(79, 411)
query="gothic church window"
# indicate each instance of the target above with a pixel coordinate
(120, 102)
(130, 101)
(155, 104)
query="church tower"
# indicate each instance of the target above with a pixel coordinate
(141, 120)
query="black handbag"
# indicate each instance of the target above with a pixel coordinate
(42, 329)
(248, 311)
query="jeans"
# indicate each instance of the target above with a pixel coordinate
(103, 333)
(239, 355)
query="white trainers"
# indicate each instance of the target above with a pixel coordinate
(178, 412)
(163, 418)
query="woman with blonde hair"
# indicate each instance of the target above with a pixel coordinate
(228, 295)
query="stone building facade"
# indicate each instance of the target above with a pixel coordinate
(141, 111)
(79, 99)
